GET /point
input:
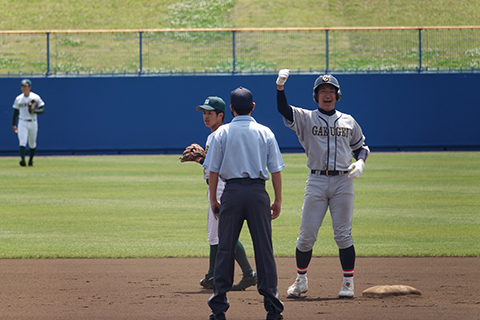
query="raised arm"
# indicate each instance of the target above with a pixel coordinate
(282, 105)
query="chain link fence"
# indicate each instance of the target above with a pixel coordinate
(245, 51)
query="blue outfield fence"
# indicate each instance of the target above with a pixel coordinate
(156, 114)
(239, 51)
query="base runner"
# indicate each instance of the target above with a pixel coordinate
(329, 138)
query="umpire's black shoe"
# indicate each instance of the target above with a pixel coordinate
(220, 316)
(22, 163)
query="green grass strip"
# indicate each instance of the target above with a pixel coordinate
(407, 204)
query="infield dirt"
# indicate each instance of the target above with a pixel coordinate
(168, 288)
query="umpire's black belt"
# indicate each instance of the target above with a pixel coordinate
(328, 173)
(246, 181)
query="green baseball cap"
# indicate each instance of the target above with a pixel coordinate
(26, 82)
(212, 103)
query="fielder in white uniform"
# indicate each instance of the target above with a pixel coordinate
(213, 116)
(330, 139)
(27, 125)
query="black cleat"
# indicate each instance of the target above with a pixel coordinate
(207, 283)
(247, 281)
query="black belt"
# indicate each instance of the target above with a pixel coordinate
(246, 181)
(328, 173)
(28, 120)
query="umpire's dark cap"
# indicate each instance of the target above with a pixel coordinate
(241, 97)
(213, 103)
(26, 82)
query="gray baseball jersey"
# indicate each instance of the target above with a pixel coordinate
(329, 140)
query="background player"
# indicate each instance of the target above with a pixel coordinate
(213, 117)
(27, 125)
(329, 138)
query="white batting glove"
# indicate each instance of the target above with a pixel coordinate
(282, 76)
(357, 169)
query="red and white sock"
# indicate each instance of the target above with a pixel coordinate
(348, 273)
(302, 270)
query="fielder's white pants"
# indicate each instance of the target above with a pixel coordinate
(27, 131)
(212, 223)
(321, 193)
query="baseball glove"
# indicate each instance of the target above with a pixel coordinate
(32, 106)
(193, 152)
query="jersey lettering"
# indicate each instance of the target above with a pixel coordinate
(332, 131)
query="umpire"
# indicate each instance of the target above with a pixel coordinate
(240, 154)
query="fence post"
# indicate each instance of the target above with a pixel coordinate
(327, 69)
(420, 69)
(140, 53)
(48, 54)
(233, 53)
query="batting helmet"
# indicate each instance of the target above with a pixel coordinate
(328, 78)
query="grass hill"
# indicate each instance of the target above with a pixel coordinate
(150, 14)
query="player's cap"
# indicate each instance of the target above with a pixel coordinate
(26, 82)
(241, 97)
(212, 103)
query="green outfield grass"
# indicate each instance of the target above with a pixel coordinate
(407, 204)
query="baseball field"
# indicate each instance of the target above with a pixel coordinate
(416, 222)
(124, 237)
